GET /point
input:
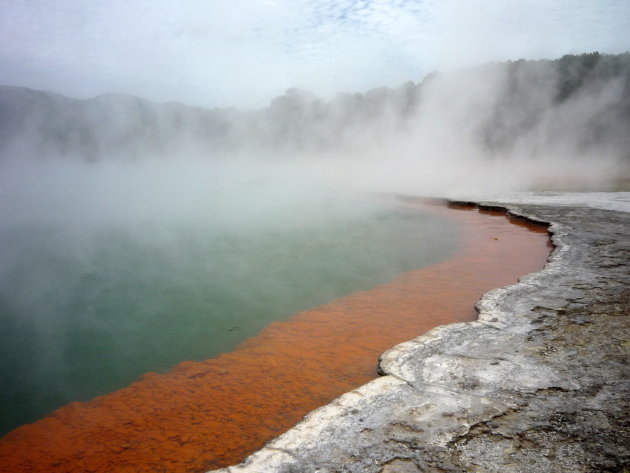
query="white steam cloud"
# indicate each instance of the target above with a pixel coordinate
(500, 127)
(133, 230)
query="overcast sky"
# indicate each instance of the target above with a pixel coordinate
(245, 52)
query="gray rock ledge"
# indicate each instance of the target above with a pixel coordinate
(539, 383)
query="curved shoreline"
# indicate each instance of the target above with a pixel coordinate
(539, 383)
(196, 414)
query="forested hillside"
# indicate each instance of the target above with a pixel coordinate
(575, 104)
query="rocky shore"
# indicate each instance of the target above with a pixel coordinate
(539, 383)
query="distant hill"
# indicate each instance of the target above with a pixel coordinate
(575, 104)
(35, 123)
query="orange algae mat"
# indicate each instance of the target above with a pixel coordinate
(202, 416)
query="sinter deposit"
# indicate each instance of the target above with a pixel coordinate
(539, 383)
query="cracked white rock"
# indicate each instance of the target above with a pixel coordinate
(537, 384)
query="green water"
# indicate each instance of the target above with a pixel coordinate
(86, 311)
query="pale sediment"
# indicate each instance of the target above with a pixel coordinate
(539, 383)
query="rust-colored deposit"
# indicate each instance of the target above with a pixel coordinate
(206, 415)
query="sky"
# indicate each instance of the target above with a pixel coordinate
(242, 53)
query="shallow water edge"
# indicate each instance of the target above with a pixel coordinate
(538, 383)
(193, 419)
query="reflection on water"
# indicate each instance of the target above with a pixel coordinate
(84, 312)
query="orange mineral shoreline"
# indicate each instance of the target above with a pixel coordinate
(202, 416)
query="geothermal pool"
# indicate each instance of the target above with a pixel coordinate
(203, 415)
(87, 309)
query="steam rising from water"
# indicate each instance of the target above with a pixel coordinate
(176, 191)
(99, 188)
(499, 127)
(126, 269)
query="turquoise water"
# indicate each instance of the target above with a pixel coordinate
(85, 311)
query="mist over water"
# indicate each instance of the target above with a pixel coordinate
(507, 126)
(135, 235)
(109, 271)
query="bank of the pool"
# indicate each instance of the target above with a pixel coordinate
(210, 414)
(538, 383)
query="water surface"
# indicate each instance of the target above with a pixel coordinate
(85, 310)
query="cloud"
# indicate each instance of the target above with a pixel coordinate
(474, 31)
(245, 52)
